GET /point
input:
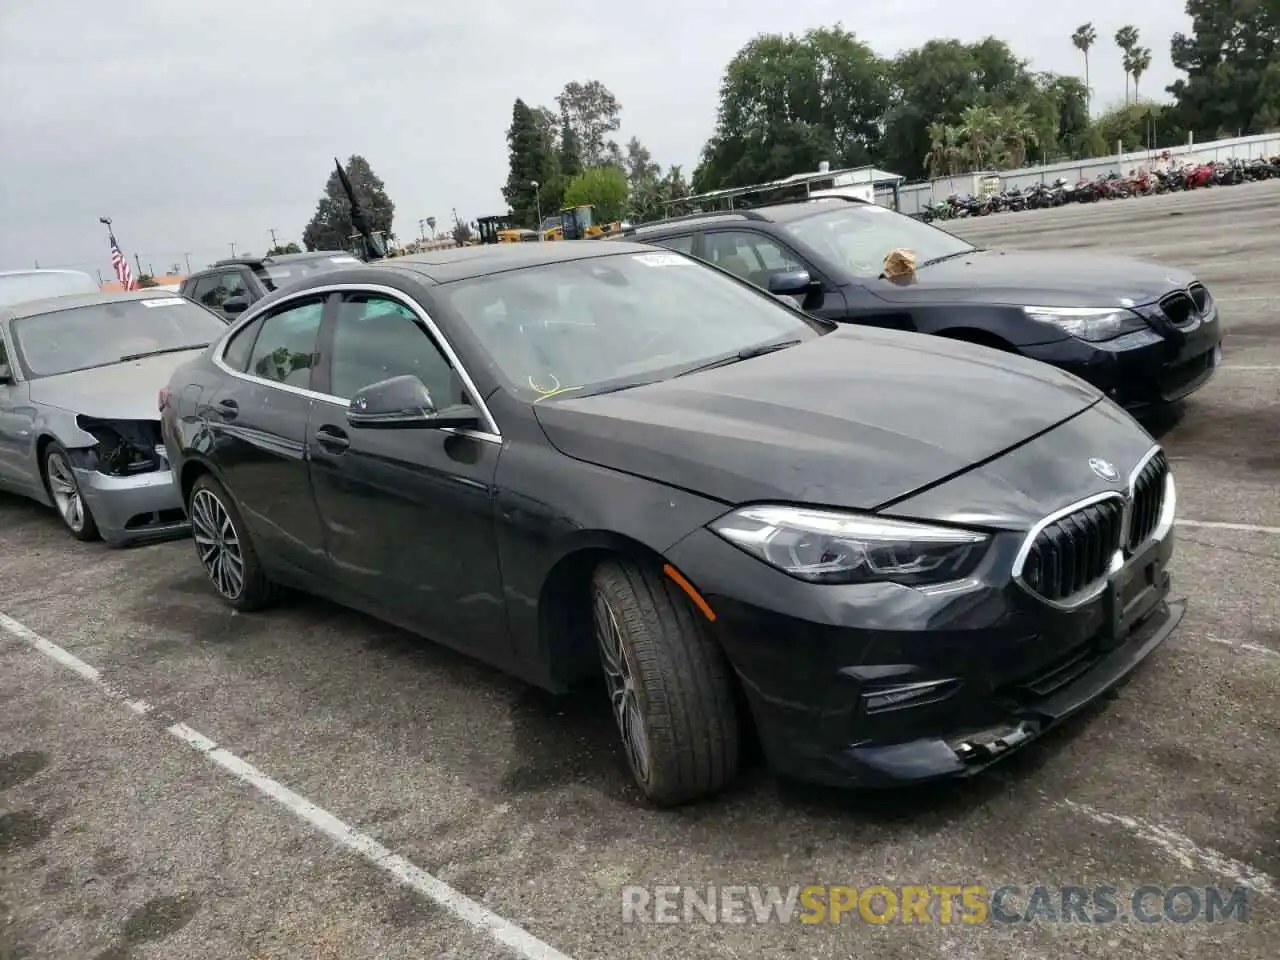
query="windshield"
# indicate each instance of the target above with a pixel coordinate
(859, 237)
(38, 284)
(602, 323)
(277, 275)
(104, 333)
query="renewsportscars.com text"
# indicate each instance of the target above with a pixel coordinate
(933, 904)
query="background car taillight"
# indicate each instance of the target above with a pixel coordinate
(124, 447)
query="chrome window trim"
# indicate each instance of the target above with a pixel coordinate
(1094, 590)
(492, 435)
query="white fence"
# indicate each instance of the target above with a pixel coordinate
(916, 196)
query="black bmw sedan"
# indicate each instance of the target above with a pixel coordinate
(1146, 335)
(889, 557)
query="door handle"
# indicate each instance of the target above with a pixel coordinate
(332, 439)
(227, 408)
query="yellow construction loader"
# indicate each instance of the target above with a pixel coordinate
(498, 229)
(578, 223)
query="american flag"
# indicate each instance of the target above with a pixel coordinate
(121, 266)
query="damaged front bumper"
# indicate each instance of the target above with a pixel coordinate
(132, 509)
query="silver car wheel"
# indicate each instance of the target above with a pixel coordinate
(217, 544)
(620, 679)
(66, 492)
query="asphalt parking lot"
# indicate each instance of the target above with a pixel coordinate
(378, 797)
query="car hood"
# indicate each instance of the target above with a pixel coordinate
(1048, 279)
(121, 391)
(856, 418)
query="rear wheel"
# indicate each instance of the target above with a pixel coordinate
(668, 683)
(64, 490)
(225, 549)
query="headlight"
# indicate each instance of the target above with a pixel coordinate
(1089, 323)
(827, 547)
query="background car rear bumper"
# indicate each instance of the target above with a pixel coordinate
(146, 506)
(879, 685)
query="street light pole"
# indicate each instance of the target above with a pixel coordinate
(537, 200)
(272, 231)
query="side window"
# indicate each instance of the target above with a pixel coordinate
(375, 339)
(680, 244)
(233, 285)
(752, 256)
(4, 355)
(236, 355)
(286, 346)
(209, 291)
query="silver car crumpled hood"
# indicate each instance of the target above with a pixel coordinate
(121, 391)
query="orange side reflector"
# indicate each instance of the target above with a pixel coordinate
(688, 588)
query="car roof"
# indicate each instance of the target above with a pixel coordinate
(27, 273)
(771, 213)
(33, 308)
(463, 263)
(283, 259)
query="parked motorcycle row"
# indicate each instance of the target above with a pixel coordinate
(1112, 186)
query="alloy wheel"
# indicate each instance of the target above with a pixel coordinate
(217, 544)
(66, 492)
(620, 679)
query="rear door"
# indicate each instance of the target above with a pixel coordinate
(257, 418)
(16, 421)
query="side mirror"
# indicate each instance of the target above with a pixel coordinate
(405, 403)
(6, 375)
(235, 305)
(790, 283)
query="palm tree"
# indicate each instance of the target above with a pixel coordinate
(981, 128)
(1138, 62)
(1083, 39)
(945, 153)
(1016, 131)
(1126, 39)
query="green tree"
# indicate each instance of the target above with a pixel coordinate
(1083, 40)
(281, 249)
(787, 103)
(462, 233)
(1126, 39)
(639, 165)
(146, 280)
(603, 187)
(570, 153)
(532, 159)
(591, 112)
(1232, 62)
(1136, 126)
(331, 226)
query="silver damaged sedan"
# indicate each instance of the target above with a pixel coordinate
(80, 381)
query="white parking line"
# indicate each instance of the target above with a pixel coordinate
(1189, 854)
(520, 942)
(1270, 368)
(1223, 525)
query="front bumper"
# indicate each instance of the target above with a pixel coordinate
(1140, 370)
(880, 685)
(146, 506)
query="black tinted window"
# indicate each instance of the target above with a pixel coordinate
(286, 347)
(376, 339)
(237, 353)
(216, 288)
(751, 256)
(682, 244)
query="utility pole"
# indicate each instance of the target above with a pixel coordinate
(100, 278)
(422, 228)
(187, 257)
(272, 231)
(232, 245)
(138, 260)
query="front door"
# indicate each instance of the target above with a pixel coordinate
(408, 514)
(257, 418)
(16, 424)
(755, 257)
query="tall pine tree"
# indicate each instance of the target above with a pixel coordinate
(532, 158)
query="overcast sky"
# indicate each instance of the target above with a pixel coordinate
(195, 125)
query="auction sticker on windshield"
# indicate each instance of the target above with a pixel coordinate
(166, 302)
(662, 260)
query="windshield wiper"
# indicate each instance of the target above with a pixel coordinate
(949, 256)
(746, 353)
(156, 353)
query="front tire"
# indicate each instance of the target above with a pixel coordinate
(669, 685)
(64, 490)
(225, 549)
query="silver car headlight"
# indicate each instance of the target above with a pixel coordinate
(1089, 323)
(828, 547)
